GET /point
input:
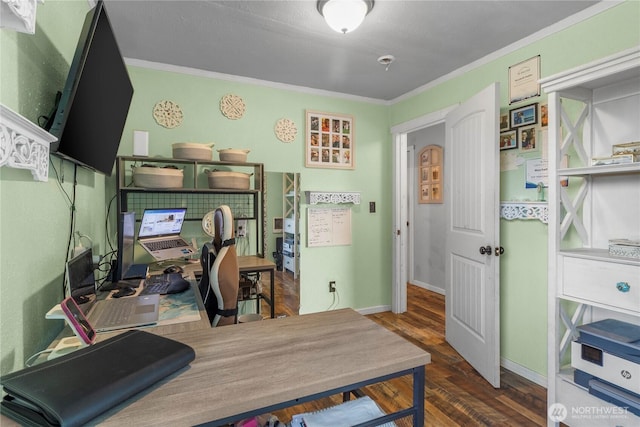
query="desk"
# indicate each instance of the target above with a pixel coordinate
(308, 356)
(256, 264)
(169, 322)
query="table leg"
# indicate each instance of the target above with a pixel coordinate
(273, 296)
(418, 396)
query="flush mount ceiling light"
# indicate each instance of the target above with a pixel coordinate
(344, 16)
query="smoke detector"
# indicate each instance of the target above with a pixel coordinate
(386, 60)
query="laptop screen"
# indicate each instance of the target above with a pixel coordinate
(161, 222)
(81, 277)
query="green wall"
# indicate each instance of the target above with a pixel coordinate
(362, 271)
(35, 217)
(523, 269)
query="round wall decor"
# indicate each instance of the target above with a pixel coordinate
(168, 114)
(286, 130)
(232, 106)
(207, 224)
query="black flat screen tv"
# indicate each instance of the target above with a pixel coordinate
(93, 108)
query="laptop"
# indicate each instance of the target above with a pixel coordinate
(107, 314)
(160, 233)
(126, 269)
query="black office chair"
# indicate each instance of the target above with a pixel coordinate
(220, 273)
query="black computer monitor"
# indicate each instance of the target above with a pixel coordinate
(126, 243)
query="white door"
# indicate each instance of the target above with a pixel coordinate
(472, 178)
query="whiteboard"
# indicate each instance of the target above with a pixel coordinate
(328, 227)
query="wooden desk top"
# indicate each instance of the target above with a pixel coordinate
(252, 262)
(252, 365)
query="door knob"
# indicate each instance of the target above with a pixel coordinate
(499, 250)
(485, 250)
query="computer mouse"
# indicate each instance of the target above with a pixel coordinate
(178, 286)
(173, 269)
(124, 292)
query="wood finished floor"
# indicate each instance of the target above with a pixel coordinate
(455, 394)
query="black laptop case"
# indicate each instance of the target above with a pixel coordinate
(77, 387)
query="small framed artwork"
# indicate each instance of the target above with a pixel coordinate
(277, 224)
(504, 122)
(329, 140)
(508, 140)
(524, 116)
(544, 118)
(527, 137)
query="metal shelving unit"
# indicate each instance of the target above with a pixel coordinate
(196, 195)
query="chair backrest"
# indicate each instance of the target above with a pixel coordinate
(220, 274)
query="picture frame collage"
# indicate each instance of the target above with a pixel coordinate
(430, 187)
(329, 140)
(519, 127)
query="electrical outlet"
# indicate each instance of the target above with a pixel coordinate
(332, 286)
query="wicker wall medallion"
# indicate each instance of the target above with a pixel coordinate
(286, 130)
(168, 114)
(232, 106)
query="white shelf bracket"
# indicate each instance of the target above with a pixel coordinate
(334, 197)
(19, 15)
(23, 145)
(525, 210)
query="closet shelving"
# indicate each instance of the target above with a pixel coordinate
(291, 234)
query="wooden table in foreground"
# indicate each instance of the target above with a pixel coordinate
(253, 368)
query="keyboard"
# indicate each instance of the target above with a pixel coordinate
(117, 314)
(165, 244)
(160, 283)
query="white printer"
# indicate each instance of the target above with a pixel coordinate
(606, 359)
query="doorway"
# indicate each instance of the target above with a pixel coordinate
(426, 233)
(401, 214)
(472, 183)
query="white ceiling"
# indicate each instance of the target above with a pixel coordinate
(288, 41)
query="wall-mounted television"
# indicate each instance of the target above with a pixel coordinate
(94, 104)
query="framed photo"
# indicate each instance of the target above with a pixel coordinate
(527, 137)
(504, 122)
(524, 116)
(523, 80)
(544, 117)
(277, 224)
(329, 141)
(508, 140)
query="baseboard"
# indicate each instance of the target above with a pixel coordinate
(524, 372)
(374, 310)
(428, 287)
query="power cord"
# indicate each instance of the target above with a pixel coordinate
(336, 301)
(31, 359)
